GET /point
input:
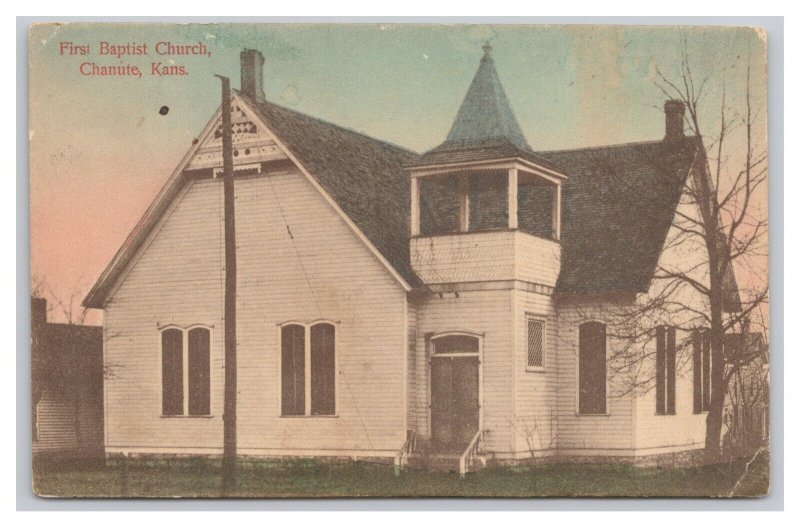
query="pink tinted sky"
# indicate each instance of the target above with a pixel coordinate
(100, 150)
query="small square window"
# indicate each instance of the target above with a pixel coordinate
(535, 343)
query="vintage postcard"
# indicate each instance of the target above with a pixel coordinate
(398, 260)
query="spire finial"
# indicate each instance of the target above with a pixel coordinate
(487, 50)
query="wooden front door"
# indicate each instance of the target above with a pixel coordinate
(455, 407)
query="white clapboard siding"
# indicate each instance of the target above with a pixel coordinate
(488, 313)
(483, 256)
(610, 434)
(684, 430)
(324, 273)
(413, 376)
(538, 259)
(55, 424)
(670, 433)
(536, 414)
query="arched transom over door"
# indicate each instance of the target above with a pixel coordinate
(455, 398)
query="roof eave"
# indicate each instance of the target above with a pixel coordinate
(421, 169)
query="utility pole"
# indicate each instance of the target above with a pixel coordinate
(229, 413)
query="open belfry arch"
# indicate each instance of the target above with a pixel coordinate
(484, 181)
(485, 155)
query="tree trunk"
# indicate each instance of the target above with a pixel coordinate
(714, 427)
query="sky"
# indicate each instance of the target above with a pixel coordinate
(100, 150)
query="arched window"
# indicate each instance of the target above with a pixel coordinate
(323, 369)
(199, 371)
(293, 369)
(308, 369)
(592, 368)
(172, 372)
(186, 371)
(455, 344)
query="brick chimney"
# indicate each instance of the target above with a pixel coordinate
(252, 64)
(674, 110)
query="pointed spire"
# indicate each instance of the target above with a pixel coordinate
(487, 51)
(485, 114)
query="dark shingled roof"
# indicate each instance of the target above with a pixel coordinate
(618, 200)
(363, 175)
(485, 127)
(618, 206)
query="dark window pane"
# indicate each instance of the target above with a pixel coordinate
(592, 368)
(293, 373)
(706, 370)
(697, 372)
(455, 344)
(199, 371)
(535, 343)
(670, 370)
(172, 372)
(323, 370)
(661, 367)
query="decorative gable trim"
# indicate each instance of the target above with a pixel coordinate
(251, 144)
(206, 154)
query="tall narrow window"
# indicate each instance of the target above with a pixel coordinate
(665, 370)
(701, 371)
(535, 343)
(706, 371)
(172, 372)
(293, 370)
(199, 371)
(592, 368)
(323, 369)
(186, 372)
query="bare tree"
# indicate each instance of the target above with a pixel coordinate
(719, 230)
(730, 226)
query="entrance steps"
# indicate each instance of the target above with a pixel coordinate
(439, 461)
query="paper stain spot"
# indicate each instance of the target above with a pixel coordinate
(290, 95)
(164, 110)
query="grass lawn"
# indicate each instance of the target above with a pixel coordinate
(201, 478)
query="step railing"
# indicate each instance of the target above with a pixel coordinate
(469, 459)
(409, 447)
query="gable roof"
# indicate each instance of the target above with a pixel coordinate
(619, 202)
(617, 210)
(363, 175)
(485, 127)
(740, 344)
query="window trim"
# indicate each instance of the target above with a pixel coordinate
(444, 334)
(543, 320)
(578, 412)
(307, 367)
(185, 356)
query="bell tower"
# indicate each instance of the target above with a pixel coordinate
(483, 199)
